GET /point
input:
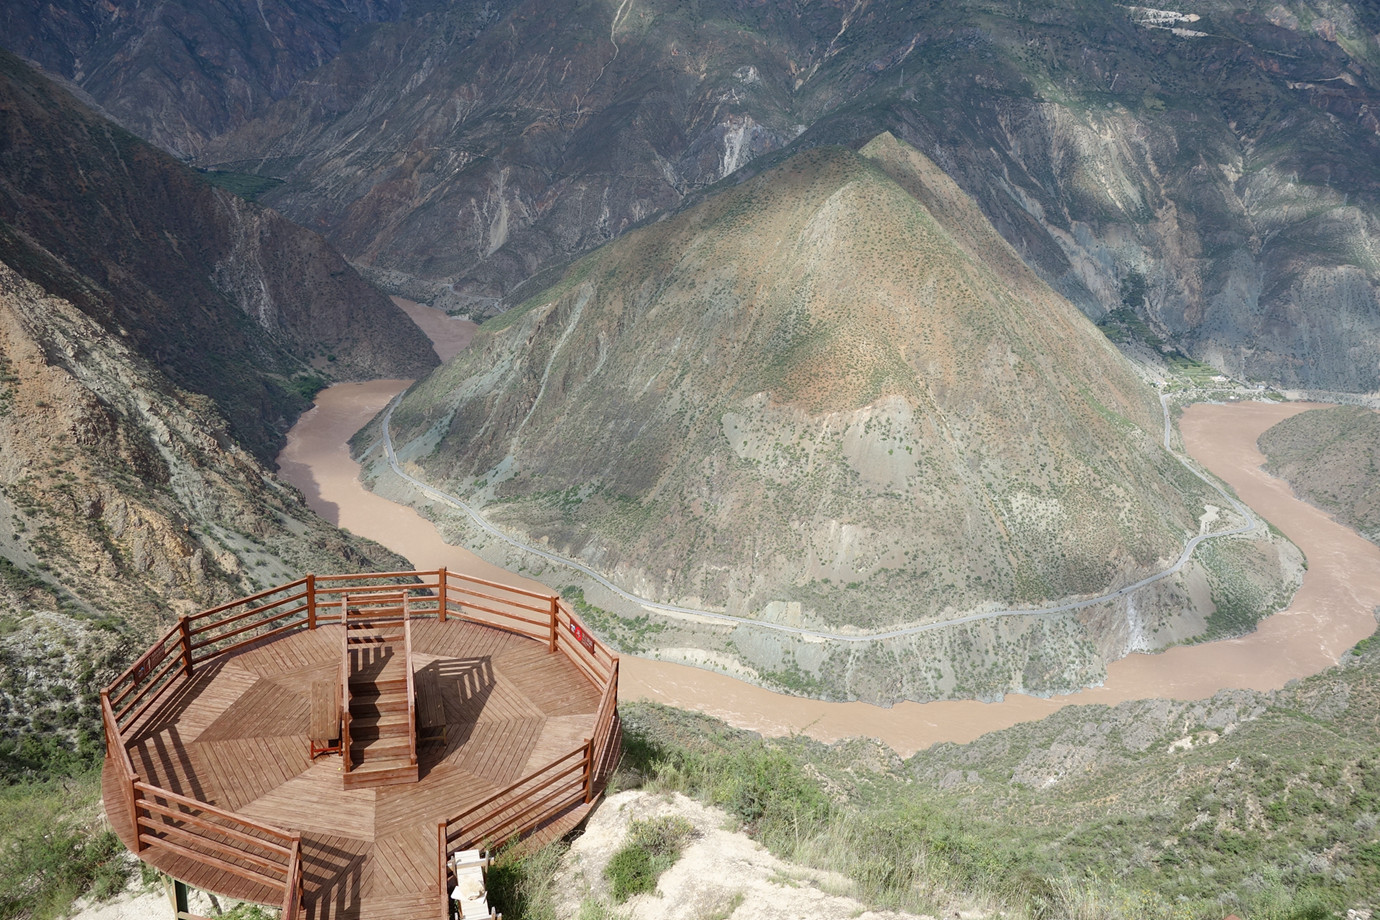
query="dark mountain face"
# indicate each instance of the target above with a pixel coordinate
(181, 73)
(1215, 170)
(226, 298)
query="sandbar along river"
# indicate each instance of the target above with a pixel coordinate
(1330, 613)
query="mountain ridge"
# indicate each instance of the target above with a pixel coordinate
(1216, 177)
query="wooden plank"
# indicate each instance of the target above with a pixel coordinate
(264, 709)
(324, 726)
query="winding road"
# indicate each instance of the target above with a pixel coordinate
(435, 494)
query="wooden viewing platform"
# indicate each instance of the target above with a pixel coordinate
(214, 772)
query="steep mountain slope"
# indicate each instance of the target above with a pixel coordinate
(154, 337)
(1213, 167)
(822, 392)
(1331, 457)
(476, 143)
(227, 298)
(124, 501)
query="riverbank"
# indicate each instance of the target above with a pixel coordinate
(1328, 615)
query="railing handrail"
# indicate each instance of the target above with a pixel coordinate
(473, 816)
(203, 628)
(189, 802)
(488, 583)
(604, 715)
(111, 725)
(244, 600)
(374, 575)
(175, 632)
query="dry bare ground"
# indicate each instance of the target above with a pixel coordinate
(721, 873)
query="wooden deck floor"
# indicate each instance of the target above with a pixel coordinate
(236, 737)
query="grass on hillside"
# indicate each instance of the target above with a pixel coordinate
(653, 846)
(50, 851)
(246, 185)
(1278, 819)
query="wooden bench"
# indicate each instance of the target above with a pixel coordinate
(324, 729)
(431, 710)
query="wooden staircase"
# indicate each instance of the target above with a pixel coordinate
(379, 734)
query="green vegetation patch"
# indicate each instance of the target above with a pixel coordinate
(522, 882)
(48, 856)
(653, 846)
(246, 185)
(308, 385)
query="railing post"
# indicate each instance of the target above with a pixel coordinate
(555, 602)
(589, 770)
(185, 629)
(441, 588)
(134, 811)
(311, 601)
(441, 858)
(292, 894)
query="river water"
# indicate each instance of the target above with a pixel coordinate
(1330, 613)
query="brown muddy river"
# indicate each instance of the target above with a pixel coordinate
(1329, 614)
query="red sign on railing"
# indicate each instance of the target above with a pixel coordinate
(581, 636)
(152, 659)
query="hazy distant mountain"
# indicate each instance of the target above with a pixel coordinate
(1215, 167)
(832, 386)
(225, 297)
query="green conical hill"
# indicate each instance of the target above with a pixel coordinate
(833, 385)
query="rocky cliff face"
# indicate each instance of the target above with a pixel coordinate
(1215, 168)
(227, 298)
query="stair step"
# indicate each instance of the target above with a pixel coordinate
(372, 751)
(381, 774)
(387, 719)
(367, 708)
(368, 734)
(374, 685)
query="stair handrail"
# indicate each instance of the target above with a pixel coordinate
(411, 687)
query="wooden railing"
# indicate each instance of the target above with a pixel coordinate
(138, 688)
(173, 660)
(258, 853)
(517, 809)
